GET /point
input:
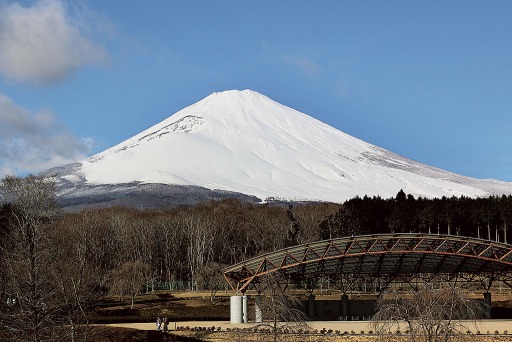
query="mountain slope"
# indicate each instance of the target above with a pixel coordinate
(244, 142)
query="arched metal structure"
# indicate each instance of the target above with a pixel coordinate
(379, 259)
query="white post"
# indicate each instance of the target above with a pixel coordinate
(244, 309)
(236, 313)
(257, 309)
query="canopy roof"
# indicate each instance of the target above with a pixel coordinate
(384, 257)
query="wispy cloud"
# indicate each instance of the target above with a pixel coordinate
(304, 64)
(299, 60)
(33, 142)
(44, 43)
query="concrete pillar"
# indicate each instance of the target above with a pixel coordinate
(245, 315)
(488, 304)
(236, 310)
(344, 305)
(311, 306)
(258, 314)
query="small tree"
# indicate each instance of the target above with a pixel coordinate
(430, 314)
(130, 279)
(282, 310)
(210, 278)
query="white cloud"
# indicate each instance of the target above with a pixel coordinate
(44, 43)
(33, 142)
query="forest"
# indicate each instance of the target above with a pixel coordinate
(55, 264)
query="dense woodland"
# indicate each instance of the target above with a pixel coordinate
(485, 218)
(55, 264)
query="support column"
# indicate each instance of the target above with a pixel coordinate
(258, 314)
(311, 306)
(488, 304)
(236, 310)
(344, 305)
(245, 315)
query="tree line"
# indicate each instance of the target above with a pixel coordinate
(485, 218)
(56, 264)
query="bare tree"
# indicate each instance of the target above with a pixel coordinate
(283, 311)
(27, 258)
(429, 314)
(4, 236)
(310, 217)
(199, 242)
(130, 278)
(210, 278)
(72, 272)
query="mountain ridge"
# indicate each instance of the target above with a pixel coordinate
(243, 142)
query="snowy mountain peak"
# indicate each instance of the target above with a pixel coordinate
(242, 141)
(238, 94)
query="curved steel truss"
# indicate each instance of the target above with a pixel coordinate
(379, 259)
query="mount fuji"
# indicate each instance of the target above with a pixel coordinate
(243, 144)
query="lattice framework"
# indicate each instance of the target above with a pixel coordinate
(380, 259)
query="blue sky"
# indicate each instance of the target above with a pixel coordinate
(430, 80)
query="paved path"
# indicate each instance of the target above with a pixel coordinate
(357, 326)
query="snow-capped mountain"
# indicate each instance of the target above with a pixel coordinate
(244, 142)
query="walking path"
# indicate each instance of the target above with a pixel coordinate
(483, 326)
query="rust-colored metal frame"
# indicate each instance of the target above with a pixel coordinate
(379, 259)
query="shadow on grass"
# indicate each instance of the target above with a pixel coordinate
(147, 308)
